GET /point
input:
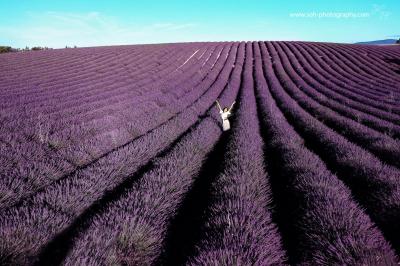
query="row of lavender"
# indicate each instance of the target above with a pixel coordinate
(59, 205)
(364, 85)
(320, 222)
(370, 67)
(140, 240)
(144, 123)
(238, 229)
(91, 107)
(229, 211)
(387, 148)
(115, 134)
(350, 105)
(318, 193)
(374, 184)
(225, 232)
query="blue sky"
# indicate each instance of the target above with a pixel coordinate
(94, 23)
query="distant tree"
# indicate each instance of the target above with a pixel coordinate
(5, 49)
(8, 49)
(38, 48)
(75, 46)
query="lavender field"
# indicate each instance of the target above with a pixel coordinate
(116, 155)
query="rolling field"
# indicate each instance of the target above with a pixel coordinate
(116, 156)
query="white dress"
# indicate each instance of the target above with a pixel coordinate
(225, 122)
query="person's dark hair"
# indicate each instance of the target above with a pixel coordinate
(226, 109)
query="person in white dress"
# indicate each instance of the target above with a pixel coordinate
(225, 113)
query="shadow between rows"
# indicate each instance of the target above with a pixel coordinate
(395, 62)
(185, 229)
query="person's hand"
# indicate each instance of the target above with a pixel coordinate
(232, 106)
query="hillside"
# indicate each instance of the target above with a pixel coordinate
(115, 155)
(379, 42)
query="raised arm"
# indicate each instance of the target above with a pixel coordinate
(230, 108)
(219, 106)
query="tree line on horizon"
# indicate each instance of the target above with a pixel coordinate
(9, 49)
